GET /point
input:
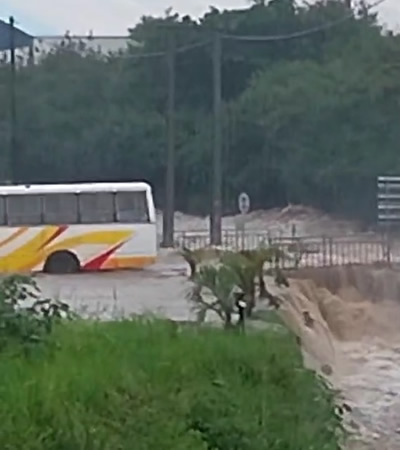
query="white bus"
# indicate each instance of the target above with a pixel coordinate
(66, 228)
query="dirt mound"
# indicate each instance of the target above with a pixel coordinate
(291, 212)
(305, 220)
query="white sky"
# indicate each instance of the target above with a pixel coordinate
(40, 17)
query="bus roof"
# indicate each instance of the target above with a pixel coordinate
(75, 188)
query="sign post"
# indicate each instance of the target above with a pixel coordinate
(244, 208)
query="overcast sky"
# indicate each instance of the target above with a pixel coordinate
(40, 17)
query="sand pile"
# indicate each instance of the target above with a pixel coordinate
(278, 221)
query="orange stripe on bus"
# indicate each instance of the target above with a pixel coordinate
(109, 237)
(128, 262)
(60, 229)
(13, 236)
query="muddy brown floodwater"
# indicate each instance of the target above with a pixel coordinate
(357, 332)
(356, 312)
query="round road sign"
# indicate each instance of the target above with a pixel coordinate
(244, 203)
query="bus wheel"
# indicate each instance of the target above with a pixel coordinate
(62, 262)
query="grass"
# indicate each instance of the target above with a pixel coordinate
(149, 385)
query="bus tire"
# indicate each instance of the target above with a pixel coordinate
(62, 262)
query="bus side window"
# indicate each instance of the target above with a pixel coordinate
(96, 207)
(3, 220)
(60, 208)
(24, 209)
(132, 207)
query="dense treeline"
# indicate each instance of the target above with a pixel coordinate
(310, 120)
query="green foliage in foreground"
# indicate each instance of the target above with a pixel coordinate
(155, 386)
(26, 318)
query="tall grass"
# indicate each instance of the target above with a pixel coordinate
(146, 385)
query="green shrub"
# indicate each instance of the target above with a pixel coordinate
(229, 287)
(25, 317)
(147, 385)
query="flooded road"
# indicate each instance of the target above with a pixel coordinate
(159, 289)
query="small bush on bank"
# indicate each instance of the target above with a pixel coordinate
(146, 385)
(26, 318)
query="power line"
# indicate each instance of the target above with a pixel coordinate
(182, 49)
(187, 48)
(141, 55)
(301, 33)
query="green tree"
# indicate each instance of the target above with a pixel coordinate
(310, 120)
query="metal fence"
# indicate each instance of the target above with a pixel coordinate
(311, 251)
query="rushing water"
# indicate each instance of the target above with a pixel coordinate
(356, 331)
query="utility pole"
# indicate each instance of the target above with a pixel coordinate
(216, 214)
(169, 209)
(13, 106)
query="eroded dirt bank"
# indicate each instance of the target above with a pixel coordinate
(348, 318)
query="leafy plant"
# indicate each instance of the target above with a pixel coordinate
(25, 317)
(223, 288)
(271, 254)
(245, 270)
(214, 290)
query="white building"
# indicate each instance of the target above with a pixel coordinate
(41, 45)
(101, 44)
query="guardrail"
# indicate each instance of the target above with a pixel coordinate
(310, 251)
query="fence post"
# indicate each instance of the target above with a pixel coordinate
(227, 240)
(183, 239)
(324, 251)
(330, 251)
(388, 249)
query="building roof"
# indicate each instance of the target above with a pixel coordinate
(21, 38)
(76, 188)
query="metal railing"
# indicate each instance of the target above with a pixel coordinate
(310, 251)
